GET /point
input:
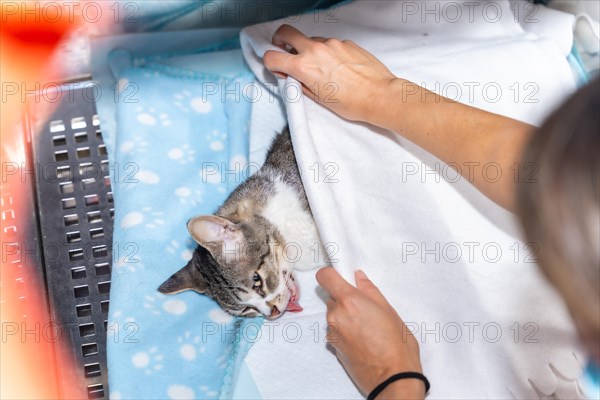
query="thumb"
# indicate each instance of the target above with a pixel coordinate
(366, 286)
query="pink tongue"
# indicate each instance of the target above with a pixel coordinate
(293, 306)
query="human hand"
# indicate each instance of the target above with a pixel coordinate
(338, 74)
(369, 337)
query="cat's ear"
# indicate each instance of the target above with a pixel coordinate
(182, 280)
(216, 233)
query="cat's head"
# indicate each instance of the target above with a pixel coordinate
(240, 265)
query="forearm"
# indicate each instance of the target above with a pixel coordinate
(484, 147)
(366, 90)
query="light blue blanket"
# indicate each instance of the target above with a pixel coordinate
(180, 136)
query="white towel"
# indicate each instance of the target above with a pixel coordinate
(447, 258)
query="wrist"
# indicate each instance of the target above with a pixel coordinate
(389, 102)
(405, 389)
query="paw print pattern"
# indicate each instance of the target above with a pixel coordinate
(190, 346)
(173, 246)
(151, 117)
(147, 217)
(188, 196)
(181, 100)
(136, 145)
(150, 305)
(167, 137)
(128, 262)
(185, 254)
(149, 361)
(216, 140)
(208, 392)
(188, 103)
(183, 154)
(158, 303)
(155, 217)
(134, 176)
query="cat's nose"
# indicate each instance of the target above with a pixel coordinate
(275, 311)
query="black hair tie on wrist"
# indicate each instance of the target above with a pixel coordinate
(402, 375)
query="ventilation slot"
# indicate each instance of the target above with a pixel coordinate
(84, 310)
(92, 370)
(89, 349)
(95, 391)
(66, 187)
(76, 255)
(78, 272)
(94, 217)
(99, 251)
(68, 203)
(91, 200)
(59, 140)
(57, 126)
(83, 152)
(61, 155)
(88, 183)
(81, 291)
(96, 233)
(63, 172)
(81, 137)
(102, 269)
(71, 219)
(78, 123)
(73, 237)
(87, 330)
(104, 287)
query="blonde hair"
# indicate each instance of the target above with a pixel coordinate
(560, 206)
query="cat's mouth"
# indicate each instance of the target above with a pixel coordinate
(293, 305)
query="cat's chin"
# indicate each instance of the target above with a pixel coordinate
(292, 304)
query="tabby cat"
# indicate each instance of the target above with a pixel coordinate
(248, 250)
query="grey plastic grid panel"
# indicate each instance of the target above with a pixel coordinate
(75, 208)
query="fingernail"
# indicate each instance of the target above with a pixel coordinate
(361, 274)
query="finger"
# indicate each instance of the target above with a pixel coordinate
(366, 286)
(330, 303)
(329, 315)
(319, 39)
(278, 61)
(333, 283)
(353, 45)
(290, 36)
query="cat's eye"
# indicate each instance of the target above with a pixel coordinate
(249, 312)
(257, 280)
